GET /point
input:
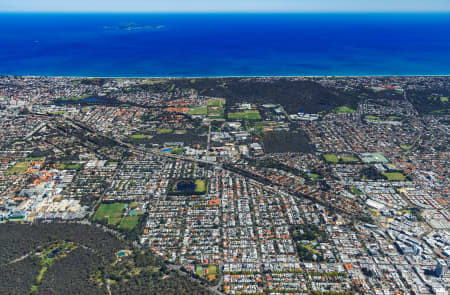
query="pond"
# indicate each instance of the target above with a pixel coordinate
(185, 186)
(92, 99)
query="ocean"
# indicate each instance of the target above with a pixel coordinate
(200, 45)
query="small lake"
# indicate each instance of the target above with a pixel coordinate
(85, 100)
(185, 186)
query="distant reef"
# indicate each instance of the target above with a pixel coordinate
(134, 27)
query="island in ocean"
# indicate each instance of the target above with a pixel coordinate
(134, 27)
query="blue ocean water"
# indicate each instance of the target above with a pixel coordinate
(156, 45)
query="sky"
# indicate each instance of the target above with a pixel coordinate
(225, 5)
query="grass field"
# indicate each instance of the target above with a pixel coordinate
(395, 118)
(114, 221)
(198, 111)
(394, 176)
(344, 110)
(405, 147)
(212, 269)
(107, 211)
(74, 166)
(165, 131)
(33, 159)
(177, 151)
(245, 115)
(129, 222)
(139, 136)
(19, 168)
(200, 186)
(152, 82)
(314, 176)
(61, 166)
(216, 102)
(70, 166)
(113, 215)
(349, 159)
(199, 271)
(262, 125)
(356, 191)
(331, 158)
(372, 117)
(444, 99)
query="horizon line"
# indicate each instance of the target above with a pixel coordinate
(230, 76)
(236, 12)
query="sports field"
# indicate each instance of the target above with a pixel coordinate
(109, 212)
(200, 186)
(139, 136)
(198, 111)
(331, 158)
(164, 131)
(394, 176)
(344, 110)
(113, 214)
(245, 115)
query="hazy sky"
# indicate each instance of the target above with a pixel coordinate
(227, 5)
